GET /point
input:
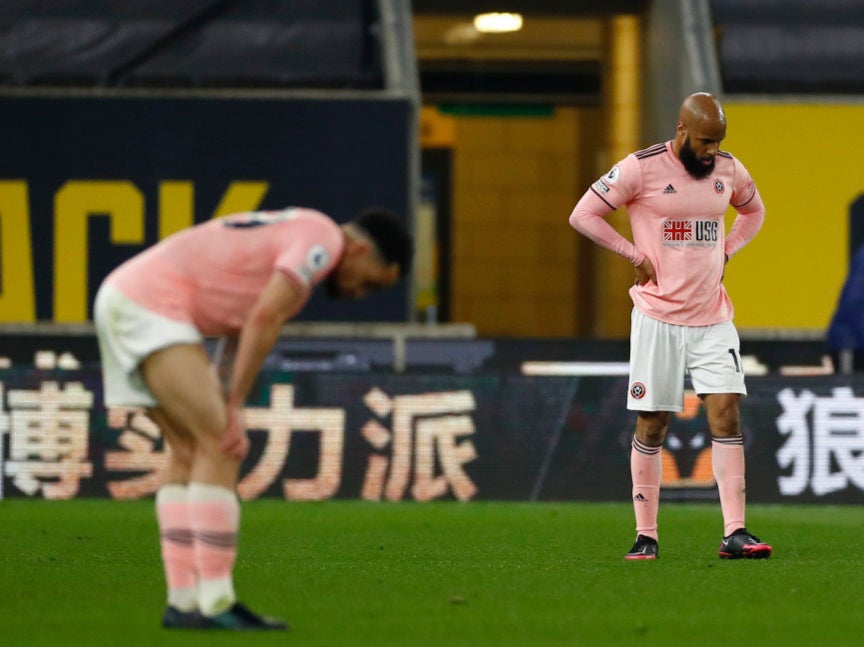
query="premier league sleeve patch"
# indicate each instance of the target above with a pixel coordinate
(317, 258)
(601, 187)
(604, 185)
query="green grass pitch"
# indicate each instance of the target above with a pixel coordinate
(86, 572)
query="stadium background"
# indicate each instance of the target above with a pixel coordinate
(124, 124)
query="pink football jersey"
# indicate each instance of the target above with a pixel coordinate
(212, 273)
(678, 223)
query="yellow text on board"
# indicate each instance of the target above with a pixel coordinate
(75, 202)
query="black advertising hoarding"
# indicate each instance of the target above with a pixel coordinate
(387, 437)
(88, 180)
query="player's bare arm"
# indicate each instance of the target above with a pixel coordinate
(279, 300)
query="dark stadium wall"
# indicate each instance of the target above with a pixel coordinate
(87, 181)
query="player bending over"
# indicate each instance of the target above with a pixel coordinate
(241, 276)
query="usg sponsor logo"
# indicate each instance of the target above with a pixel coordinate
(690, 233)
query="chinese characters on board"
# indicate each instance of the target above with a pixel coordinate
(422, 441)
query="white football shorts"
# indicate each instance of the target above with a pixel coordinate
(661, 354)
(127, 334)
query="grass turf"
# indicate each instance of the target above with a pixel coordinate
(87, 572)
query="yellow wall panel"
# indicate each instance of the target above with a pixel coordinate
(483, 279)
(514, 257)
(557, 315)
(479, 244)
(525, 207)
(480, 134)
(486, 203)
(805, 159)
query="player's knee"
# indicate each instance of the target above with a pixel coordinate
(652, 435)
(181, 458)
(215, 452)
(725, 426)
(725, 421)
(206, 450)
(651, 428)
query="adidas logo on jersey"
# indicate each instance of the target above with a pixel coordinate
(669, 189)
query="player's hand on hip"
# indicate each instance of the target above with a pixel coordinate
(644, 273)
(235, 441)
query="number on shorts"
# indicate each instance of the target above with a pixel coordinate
(735, 359)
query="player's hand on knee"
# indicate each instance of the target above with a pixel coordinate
(235, 445)
(235, 441)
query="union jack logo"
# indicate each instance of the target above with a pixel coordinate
(677, 230)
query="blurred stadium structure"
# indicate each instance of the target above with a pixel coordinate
(158, 115)
(200, 43)
(514, 127)
(125, 121)
(615, 73)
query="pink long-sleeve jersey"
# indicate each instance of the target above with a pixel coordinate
(677, 222)
(211, 274)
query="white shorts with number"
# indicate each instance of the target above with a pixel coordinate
(660, 353)
(127, 334)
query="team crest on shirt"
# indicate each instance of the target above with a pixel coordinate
(719, 186)
(637, 390)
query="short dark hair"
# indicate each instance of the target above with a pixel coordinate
(390, 236)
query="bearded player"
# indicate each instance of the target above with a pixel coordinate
(676, 194)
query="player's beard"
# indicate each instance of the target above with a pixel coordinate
(692, 164)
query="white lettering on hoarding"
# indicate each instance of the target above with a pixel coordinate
(49, 432)
(424, 427)
(827, 455)
(421, 452)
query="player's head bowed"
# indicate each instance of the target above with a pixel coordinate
(701, 127)
(378, 251)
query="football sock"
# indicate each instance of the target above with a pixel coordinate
(215, 517)
(175, 536)
(727, 460)
(646, 468)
